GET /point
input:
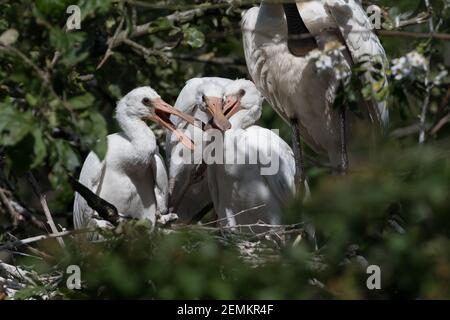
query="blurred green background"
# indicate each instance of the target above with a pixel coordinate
(392, 210)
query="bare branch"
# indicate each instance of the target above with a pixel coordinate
(58, 235)
(417, 35)
(44, 205)
(15, 216)
(426, 103)
(111, 43)
(144, 29)
(440, 124)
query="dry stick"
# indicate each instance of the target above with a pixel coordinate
(111, 42)
(15, 216)
(45, 76)
(426, 103)
(234, 215)
(440, 124)
(35, 251)
(140, 49)
(143, 29)
(44, 205)
(16, 272)
(418, 35)
(58, 235)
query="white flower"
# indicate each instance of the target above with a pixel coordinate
(438, 79)
(332, 60)
(413, 65)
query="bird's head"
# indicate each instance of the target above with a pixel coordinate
(241, 95)
(209, 99)
(145, 104)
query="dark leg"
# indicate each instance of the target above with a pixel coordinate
(298, 155)
(343, 133)
(300, 178)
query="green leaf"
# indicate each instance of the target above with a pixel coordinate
(69, 45)
(14, 124)
(161, 24)
(194, 37)
(92, 127)
(32, 101)
(82, 102)
(39, 148)
(66, 157)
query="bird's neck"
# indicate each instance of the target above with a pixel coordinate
(245, 118)
(139, 135)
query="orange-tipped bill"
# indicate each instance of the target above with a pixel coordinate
(214, 106)
(163, 111)
(232, 105)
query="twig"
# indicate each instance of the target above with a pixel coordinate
(35, 251)
(18, 243)
(15, 216)
(238, 63)
(111, 43)
(44, 77)
(54, 60)
(417, 35)
(234, 215)
(8, 270)
(440, 124)
(405, 131)
(140, 49)
(44, 205)
(426, 103)
(144, 29)
(28, 215)
(420, 18)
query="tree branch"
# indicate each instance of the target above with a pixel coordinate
(15, 216)
(44, 205)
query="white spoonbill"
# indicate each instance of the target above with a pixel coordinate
(202, 99)
(132, 176)
(279, 40)
(256, 189)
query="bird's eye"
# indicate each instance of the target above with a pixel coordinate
(146, 101)
(203, 98)
(242, 92)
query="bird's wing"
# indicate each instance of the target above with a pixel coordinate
(91, 177)
(279, 179)
(161, 183)
(251, 52)
(365, 48)
(254, 39)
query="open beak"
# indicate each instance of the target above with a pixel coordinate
(214, 106)
(232, 105)
(163, 111)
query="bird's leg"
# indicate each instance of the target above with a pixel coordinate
(300, 177)
(343, 133)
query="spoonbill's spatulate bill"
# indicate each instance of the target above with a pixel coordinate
(132, 176)
(202, 99)
(278, 39)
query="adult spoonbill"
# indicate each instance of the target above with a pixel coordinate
(257, 178)
(280, 42)
(132, 176)
(202, 99)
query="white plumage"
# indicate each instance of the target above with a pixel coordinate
(292, 84)
(132, 176)
(199, 98)
(247, 193)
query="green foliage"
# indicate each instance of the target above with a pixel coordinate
(57, 104)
